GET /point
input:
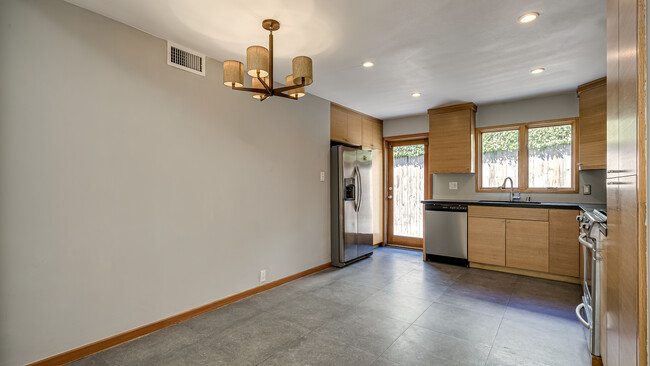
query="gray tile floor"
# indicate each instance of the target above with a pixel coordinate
(390, 309)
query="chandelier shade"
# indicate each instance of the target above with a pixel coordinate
(257, 61)
(296, 93)
(233, 73)
(302, 70)
(257, 84)
(259, 66)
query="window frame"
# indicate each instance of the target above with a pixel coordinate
(523, 155)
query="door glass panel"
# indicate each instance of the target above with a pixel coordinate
(408, 190)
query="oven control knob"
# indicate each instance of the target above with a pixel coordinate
(585, 226)
(579, 218)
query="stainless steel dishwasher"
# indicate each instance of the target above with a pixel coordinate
(446, 233)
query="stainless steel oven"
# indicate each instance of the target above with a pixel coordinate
(591, 225)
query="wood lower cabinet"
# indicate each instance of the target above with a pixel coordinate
(527, 245)
(531, 239)
(486, 240)
(564, 248)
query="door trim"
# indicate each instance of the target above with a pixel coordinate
(388, 160)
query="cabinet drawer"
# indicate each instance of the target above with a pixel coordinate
(514, 213)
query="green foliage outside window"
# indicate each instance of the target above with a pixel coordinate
(538, 138)
(408, 151)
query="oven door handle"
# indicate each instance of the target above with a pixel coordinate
(578, 308)
(583, 240)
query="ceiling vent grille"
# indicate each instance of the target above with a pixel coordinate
(185, 59)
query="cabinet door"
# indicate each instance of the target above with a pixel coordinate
(366, 132)
(486, 241)
(564, 248)
(527, 245)
(338, 125)
(354, 128)
(450, 142)
(377, 135)
(593, 128)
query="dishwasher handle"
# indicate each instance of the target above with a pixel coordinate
(448, 208)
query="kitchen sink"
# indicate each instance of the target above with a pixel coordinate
(511, 202)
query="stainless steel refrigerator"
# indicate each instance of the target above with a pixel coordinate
(351, 202)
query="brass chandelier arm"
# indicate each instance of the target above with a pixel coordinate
(276, 93)
(287, 88)
(268, 88)
(254, 90)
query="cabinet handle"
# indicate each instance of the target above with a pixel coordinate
(579, 164)
(615, 183)
(615, 171)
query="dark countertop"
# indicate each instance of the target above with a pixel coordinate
(555, 205)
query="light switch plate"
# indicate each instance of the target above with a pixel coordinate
(586, 189)
(453, 185)
(322, 176)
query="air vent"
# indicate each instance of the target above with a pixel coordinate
(185, 59)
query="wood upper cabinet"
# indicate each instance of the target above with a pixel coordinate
(451, 139)
(527, 245)
(367, 131)
(593, 125)
(338, 124)
(354, 128)
(486, 240)
(564, 248)
(377, 135)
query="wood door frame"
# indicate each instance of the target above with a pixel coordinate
(388, 160)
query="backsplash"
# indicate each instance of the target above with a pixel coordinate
(467, 189)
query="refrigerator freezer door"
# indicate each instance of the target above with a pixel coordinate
(364, 214)
(349, 247)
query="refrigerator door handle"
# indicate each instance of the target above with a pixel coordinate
(358, 182)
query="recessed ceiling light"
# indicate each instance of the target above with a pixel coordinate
(538, 70)
(416, 94)
(368, 64)
(527, 18)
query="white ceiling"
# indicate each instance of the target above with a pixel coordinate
(449, 50)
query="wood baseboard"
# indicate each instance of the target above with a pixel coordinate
(596, 361)
(525, 272)
(89, 349)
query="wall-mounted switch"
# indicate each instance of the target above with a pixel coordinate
(586, 189)
(453, 185)
(322, 176)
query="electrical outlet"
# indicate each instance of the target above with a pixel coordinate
(586, 189)
(263, 275)
(453, 185)
(322, 176)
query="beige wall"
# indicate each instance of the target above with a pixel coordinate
(131, 191)
(526, 110)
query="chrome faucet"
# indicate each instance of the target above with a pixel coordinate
(513, 196)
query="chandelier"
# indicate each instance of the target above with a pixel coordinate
(259, 66)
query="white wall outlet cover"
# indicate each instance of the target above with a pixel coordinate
(322, 176)
(263, 275)
(586, 189)
(453, 185)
